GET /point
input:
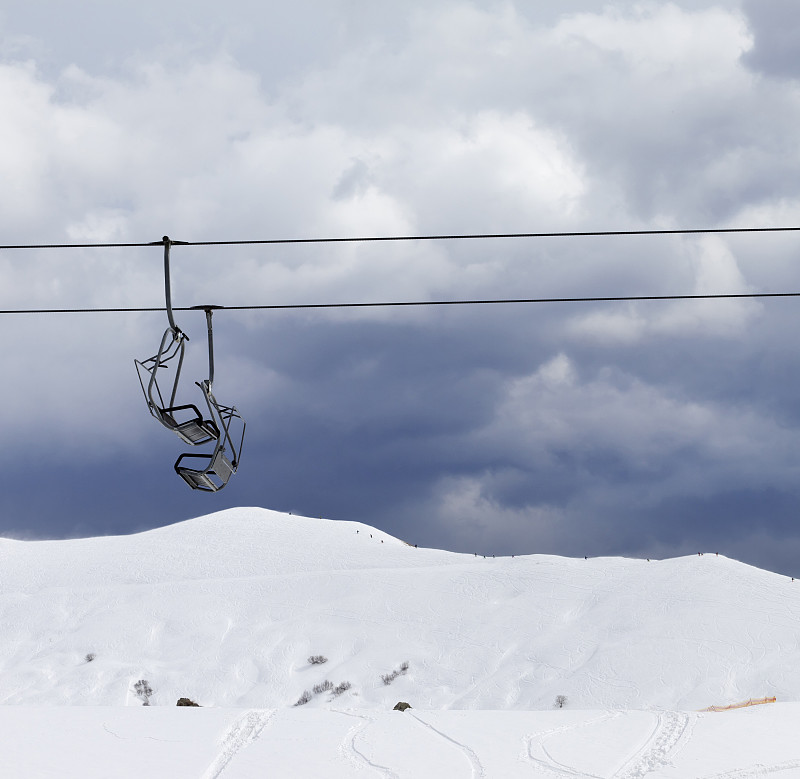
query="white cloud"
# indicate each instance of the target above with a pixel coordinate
(662, 40)
(463, 501)
(709, 268)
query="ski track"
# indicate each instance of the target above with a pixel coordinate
(756, 770)
(475, 763)
(669, 729)
(546, 764)
(353, 754)
(145, 738)
(657, 750)
(242, 732)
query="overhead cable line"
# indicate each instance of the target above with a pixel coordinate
(406, 303)
(389, 238)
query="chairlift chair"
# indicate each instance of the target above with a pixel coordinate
(192, 429)
(216, 468)
(213, 470)
(186, 420)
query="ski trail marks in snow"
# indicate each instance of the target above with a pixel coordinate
(477, 768)
(657, 750)
(144, 738)
(535, 752)
(668, 731)
(244, 731)
(353, 754)
(757, 770)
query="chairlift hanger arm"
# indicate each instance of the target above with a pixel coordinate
(167, 242)
(209, 309)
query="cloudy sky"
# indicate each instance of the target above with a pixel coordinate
(649, 429)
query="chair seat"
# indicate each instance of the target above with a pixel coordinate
(196, 431)
(197, 480)
(213, 477)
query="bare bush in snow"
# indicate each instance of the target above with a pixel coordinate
(304, 698)
(560, 702)
(390, 677)
(325, 686)
(143, 691)
(317, 659)
(340, 688)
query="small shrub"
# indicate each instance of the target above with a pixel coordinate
(317, 659)
(560, 702)
(143, 691)
(304, 698)
(390, 677)
(326, 686)
(91, 656)
(340, 688)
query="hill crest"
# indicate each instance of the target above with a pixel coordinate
(227, 609)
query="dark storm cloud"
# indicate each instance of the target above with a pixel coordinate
(650, 429)
(776, 31)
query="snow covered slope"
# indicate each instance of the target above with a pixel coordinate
(171, 743)
(226, 609)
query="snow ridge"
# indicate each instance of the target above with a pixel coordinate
(253, 594)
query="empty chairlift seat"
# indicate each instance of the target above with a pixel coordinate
(212, 473)
(194, 430)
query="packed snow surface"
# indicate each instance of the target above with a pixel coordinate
(228, 608)
(178, 743)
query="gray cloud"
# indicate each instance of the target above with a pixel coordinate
(649, 429)
(776, 26)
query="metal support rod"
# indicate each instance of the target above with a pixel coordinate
(209, 312)
(208, 309)
(166, 242)
(167, 286)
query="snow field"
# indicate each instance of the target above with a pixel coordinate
(226, 609)
(171, 743)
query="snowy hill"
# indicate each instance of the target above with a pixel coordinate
(226, 609)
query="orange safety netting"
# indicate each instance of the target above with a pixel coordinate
(743, 704)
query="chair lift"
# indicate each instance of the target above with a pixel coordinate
(217, 467)
(184, 420)
(214, 469)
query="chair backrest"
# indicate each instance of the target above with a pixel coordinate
(222, 466)
(229, 423)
